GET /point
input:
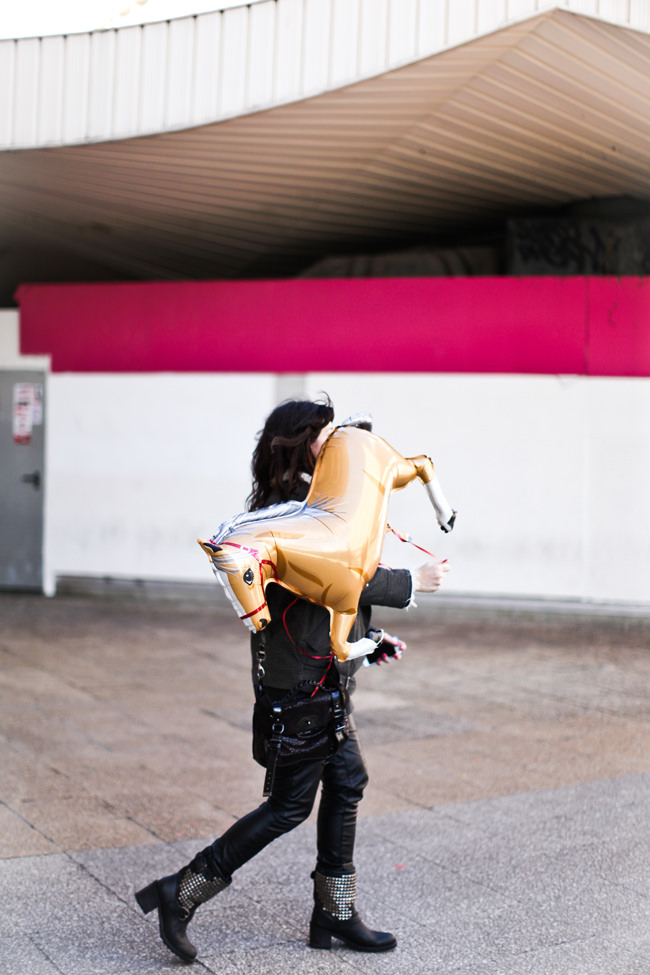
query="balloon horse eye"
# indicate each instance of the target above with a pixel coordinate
(249, 577)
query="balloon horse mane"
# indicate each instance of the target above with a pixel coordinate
(327, 547)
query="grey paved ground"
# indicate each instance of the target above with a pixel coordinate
(505, 829)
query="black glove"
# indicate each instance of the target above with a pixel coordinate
(388, 648)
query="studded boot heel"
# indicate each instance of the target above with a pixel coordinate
(177, 897)
(335, 916)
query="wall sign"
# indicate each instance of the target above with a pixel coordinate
(27, 410)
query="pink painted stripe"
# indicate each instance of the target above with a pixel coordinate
(596, 326)
(618, 342)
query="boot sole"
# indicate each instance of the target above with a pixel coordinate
(321, 939)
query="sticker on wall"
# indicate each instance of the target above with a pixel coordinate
(23, 412)
(37, 406)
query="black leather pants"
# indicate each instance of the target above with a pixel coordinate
(343, 778)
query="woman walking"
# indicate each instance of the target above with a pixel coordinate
(291, 657)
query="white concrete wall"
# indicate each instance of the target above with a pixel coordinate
(141, 465)
(549, 473)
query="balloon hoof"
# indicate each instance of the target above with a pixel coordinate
(361, 648)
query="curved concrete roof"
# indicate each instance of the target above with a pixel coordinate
(254, 140)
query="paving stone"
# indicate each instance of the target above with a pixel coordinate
(504, 831)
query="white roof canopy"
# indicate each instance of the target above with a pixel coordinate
(253, 141)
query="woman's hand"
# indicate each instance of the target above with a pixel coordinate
(428, 578)
(390, 648)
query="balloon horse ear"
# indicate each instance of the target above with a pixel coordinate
(209, 547)
(361, 420)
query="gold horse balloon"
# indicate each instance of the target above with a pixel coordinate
(326, 548)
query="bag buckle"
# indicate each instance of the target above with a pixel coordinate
(338, 717)
(275, 744)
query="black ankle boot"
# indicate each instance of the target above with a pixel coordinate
(335, 916)
(177, 897)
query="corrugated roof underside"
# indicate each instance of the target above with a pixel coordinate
(544, 112)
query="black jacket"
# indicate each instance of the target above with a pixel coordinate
(297, 639)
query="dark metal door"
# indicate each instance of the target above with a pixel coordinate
(22, 427)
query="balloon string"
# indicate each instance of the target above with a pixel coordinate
(300, 650)
(408, 538)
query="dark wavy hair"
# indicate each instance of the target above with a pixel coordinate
(283, 452)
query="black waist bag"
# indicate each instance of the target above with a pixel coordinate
(310, 722)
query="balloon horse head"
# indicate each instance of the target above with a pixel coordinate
(327, 547)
